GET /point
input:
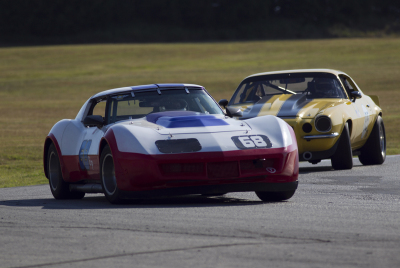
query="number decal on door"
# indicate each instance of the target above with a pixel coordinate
(252, 141)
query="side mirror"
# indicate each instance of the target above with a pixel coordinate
(233, 112)
(355, 95)
(94, 120)
(223, 103)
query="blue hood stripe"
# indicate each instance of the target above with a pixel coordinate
(184, 119)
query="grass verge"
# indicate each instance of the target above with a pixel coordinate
(42, 85)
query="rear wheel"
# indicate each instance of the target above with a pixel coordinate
(275, 196)
(108, 178)
(374, 150)
(59, 188)
(343, 157)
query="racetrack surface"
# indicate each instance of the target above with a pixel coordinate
(335, 219)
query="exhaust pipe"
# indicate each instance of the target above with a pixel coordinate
(307, 156)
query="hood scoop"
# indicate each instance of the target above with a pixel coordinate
(183, 119)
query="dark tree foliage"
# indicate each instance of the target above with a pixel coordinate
(189, 20)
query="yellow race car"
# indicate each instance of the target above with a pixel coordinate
(331, 116)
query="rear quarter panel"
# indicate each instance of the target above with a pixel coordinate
(55, 136)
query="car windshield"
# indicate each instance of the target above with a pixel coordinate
(313, 85)
(126, 106)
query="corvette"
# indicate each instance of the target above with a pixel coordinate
(168, 139)
(331, 116)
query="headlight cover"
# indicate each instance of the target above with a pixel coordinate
(323, 123)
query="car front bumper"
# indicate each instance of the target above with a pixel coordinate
(135, 172)
(322, 136)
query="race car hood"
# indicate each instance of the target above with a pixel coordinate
(288, 106)
(195, 132)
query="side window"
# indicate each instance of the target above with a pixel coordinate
(100, 109)
(348, 84)
(353, 87)
(97, 108)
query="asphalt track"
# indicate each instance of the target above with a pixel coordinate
(336, 219)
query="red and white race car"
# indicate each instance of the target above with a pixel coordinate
(168, 139)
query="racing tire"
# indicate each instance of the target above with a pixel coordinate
(275, 196)
(374, 150)
(343, 157)
(59, 188)
(108, 178)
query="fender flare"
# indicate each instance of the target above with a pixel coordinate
(51, 139)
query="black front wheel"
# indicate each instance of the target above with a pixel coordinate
(59, 188)
(374, 150)
(108, 178)
(275, 196)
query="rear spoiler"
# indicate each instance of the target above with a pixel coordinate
(375, 98)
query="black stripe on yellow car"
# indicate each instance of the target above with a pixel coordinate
(273, 106)
(256, 108)
(293, 105)
(285, 105)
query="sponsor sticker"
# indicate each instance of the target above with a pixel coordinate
(366, 122)
(83, 155)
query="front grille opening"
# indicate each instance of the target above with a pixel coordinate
(220, 170)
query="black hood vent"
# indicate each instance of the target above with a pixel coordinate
(178, 146)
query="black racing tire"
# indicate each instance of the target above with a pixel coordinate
(275, 196)
(374, 150)
(59, 188)
(108, 178)
(343, 157)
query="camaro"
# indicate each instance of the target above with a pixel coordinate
(168, 139)
(331, 116)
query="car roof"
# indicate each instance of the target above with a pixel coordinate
(335, 72)
(142, 87)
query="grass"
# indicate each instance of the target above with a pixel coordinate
(42, 85)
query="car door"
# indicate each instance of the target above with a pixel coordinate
(89, 149)
(363, 111)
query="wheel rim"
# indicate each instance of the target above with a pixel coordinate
(108, 175)
(382, 140)
(54, 168)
